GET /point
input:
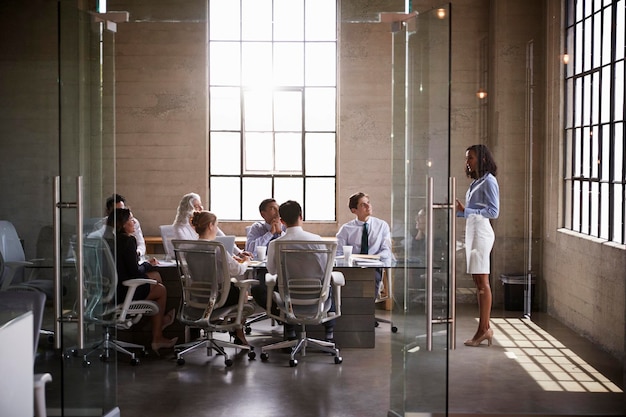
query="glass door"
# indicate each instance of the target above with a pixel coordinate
(422, 214)
(86, 177)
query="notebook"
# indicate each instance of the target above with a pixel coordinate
(228, 242)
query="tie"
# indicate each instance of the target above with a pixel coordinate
(364, 245)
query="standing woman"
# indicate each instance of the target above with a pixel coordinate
(482, 202)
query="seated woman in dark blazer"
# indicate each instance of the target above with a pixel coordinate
(122, 222)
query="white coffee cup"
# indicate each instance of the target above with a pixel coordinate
(347, 253)
(261, 251)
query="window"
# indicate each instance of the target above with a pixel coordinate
(595, 190)
(272, 94)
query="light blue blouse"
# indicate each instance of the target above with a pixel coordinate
(482, 197)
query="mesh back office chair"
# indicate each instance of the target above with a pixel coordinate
(14, 263)
(34, 301)
(304, 279)
(100, 306)
(205, 281)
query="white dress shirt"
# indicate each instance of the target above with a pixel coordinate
(294, 233)
(379, 237)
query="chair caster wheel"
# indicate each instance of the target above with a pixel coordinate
(228, 363)
(293, 363)
(251, 355)
(394, 329)
(264, 356)
(248, 330)
(180, 361)
(86, 364)
(134, 362)
(103, 358)
(338, 360)
(376, 324)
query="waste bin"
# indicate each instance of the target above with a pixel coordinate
(514, 285)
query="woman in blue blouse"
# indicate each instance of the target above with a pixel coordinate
(482, 202)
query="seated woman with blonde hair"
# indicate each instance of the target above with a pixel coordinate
(205, 224)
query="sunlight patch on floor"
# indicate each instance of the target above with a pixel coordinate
(548, 361)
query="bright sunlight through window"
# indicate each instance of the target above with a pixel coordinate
(272, 93)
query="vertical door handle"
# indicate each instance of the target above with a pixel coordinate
(452, 263)
(429, 264)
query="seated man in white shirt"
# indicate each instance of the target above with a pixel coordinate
(100, 228)
(291, 215)
(366, 234)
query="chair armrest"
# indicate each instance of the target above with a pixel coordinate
(135, 282)
(245, 283)
(270, 280)
(337, 278)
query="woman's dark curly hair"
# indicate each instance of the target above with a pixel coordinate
(485, 161)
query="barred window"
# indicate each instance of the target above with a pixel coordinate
(272, 94)
(595, 190)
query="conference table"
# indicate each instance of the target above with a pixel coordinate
(354, 329)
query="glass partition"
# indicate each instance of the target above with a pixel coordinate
(421, 213)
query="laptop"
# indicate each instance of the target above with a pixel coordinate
(228, 242)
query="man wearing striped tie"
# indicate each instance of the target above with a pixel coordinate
(366, 234)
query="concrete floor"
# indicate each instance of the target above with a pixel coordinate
(535, 367)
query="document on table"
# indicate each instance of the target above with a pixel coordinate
(367, 260)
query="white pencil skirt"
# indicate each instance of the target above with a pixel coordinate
(479, 238)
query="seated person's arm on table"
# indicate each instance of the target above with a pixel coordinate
(258, 235)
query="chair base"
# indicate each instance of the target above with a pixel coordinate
(211, 345)
(108, 343)
(300, 345)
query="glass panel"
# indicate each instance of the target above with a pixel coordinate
(224, 68)
(256, 20)
(320, 68)
(595, 98)
(256, 64)
(320, 154)
(225, 108)
(319, 11)
(289, 64)
(288, 20)
(225, 208)
(606, 36)
(606, 95)
(618, 90)
(319, 113)
(420, 150)
(576, 216)
(288, 189)
(288, 153)
(618, 212)
(254, 190)
(606, 153)
(318, 191)
(225, 151)
(221, 25)
(604, 213)
(258, 153)
(619, 35)
(618, 143)
(288, 111)
(258, 110)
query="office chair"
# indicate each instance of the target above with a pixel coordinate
(304, 279)
(384, 294)
(101, 308)
(205, 281)
(167, 234)
(34, 301)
